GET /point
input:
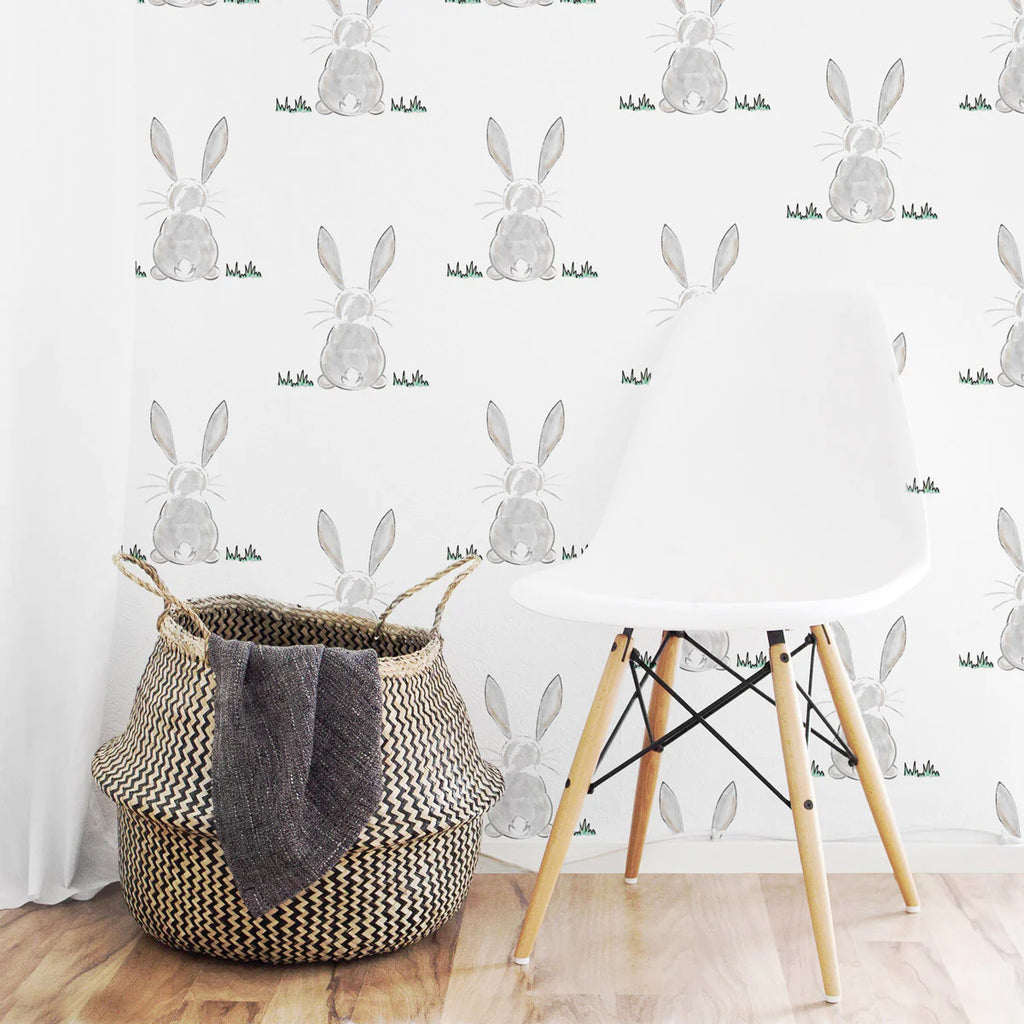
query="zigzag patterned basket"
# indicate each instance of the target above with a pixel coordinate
(411, 866)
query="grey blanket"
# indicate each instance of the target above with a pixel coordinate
(296, 761)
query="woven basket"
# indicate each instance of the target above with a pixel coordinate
(411, 866)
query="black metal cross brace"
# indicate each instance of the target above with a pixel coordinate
(700, 717)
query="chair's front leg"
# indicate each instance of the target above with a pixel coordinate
(580, 776)
(805, 816)
(868, 770)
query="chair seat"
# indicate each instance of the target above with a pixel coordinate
(766, 482)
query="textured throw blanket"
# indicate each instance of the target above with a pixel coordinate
(296, 761)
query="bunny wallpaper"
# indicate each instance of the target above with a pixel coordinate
(403, 271)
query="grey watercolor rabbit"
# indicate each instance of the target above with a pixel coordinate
(350, 83)
(862, 190)
(1011, 358)
(354, 591)
(1011, 641)
(672, 253)
(1011, 78)
(521, 533)
(871, 698)
(185, 249)
(525, 807)
(694, 659)
(521, 249)
(694, 82)
(185, 532)
(352, 358)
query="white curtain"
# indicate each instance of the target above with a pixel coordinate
(66, 319)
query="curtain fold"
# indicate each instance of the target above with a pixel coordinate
(66, 327)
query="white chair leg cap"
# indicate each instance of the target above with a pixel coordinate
(913, 910)
(631, 881)
(522, 961)
(832, 999)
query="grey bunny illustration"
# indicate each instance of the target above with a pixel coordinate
(672, 253)
(695, 660)
(185, 249)
(1011, 642)
(694, 82)
(871, 698)
(1011, 78)
(1011, 358)
(521, 533)
(862, 190)
(185, 532)
(521, 249)
(352, 358)
(355, 592)
(350, 83)
(525, 807)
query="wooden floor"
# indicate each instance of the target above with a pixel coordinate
(734, 949)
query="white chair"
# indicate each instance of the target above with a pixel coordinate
(765, 485)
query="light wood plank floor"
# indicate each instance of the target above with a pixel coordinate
(728, 949)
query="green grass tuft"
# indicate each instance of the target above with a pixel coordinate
(643, 102)
(454, 556)
(745, 661)
(573, 553)
(249, 270)
(584, 828)
(414, 106)
(981, 377)
(240, 1)
(135, 552)
(926, 486)
(248, 555)
(981, 660)
(470, 270)
(795, 213)
(417, 380)
(632, 378)
(586, 270)
(462, 1)
(925, 213)
(816, 770)
(139, 272)
(926, 771)
(288, 381)
(757, 103)
(296, 106)
(978, 103)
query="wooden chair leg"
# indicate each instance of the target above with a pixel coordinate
(868, 770)
(580, 776)
(647, 779)
(805, 817)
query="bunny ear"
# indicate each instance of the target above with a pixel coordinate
(497, 146)
(1017, 6)
(681, 5)
(160, 143)
(725, 258)
(383, 257)
(551, 149)
(327, 250)
(497, 431)
(494, 701)
(725, 809)
(327, 534)
(216, 431)
(383, 539)
(715, 5)
(550, 705)
(551, 432)
(1009, 538)
(336, 7)
(1006, 811)
(160, 428)
(669, 807)
(216, 147)
(842, 642)
(839, 90)
(893, 648)
(899, 350)
(1009, 255)
(672, 254)
(371, 7)
(892, 90)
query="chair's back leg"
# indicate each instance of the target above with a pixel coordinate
(647, 778)
(805, 816)
(580, 776)
(868, 770)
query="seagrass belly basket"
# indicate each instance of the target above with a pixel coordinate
(409, 869)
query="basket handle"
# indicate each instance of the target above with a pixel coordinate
(467, 565)
(164, 623)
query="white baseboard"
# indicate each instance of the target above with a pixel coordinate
(725, 856)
